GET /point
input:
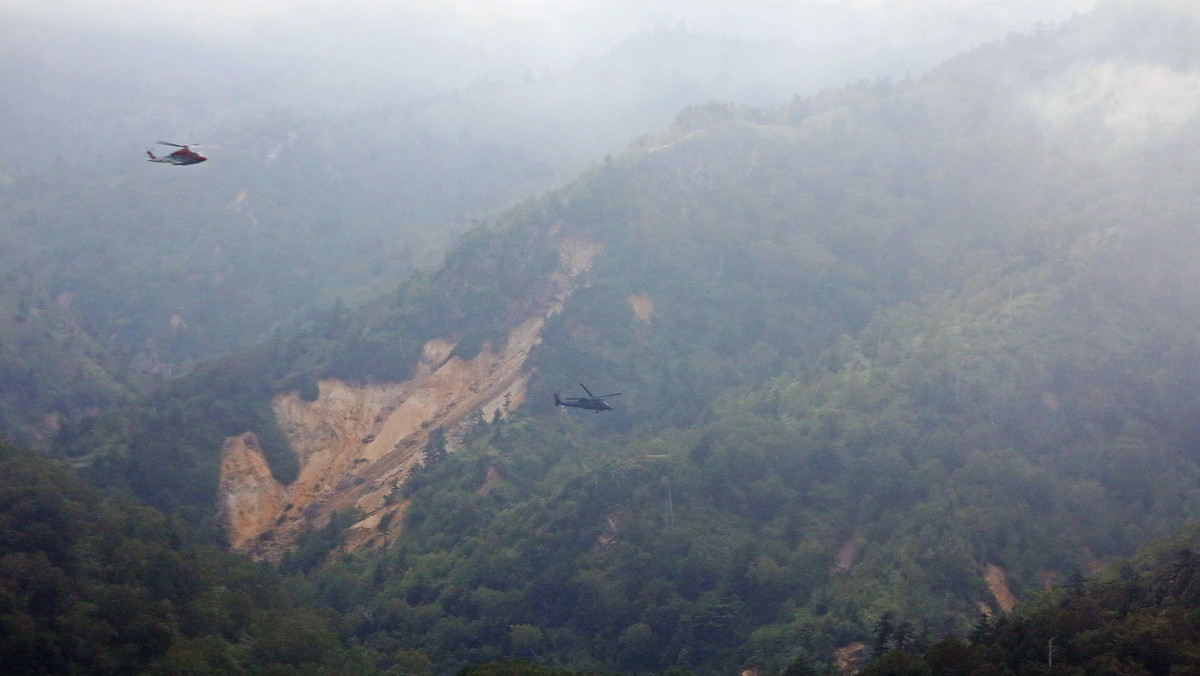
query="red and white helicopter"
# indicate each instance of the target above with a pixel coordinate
(184, 156)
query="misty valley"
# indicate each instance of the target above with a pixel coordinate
(899, 375)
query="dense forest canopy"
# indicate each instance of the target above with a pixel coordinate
(103, 585)
(891, 355)
(343, 166)
(94, 584)
(976, 301)
(1137, 617)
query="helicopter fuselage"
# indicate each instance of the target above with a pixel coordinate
(179, 157)
(592, 404)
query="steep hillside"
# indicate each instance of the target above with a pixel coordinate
(1138, 615)
(357, 443)
(915, 350)
(906, 350)
(49, 365)
(341, 158)
(90, 583)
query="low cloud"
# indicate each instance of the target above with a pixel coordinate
(1126, 103)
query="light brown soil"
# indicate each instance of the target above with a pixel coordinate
(851, 657)
(643, 306)
(356, 443)
(997, 582)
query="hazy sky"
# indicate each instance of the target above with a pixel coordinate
(551, 33)
(92, 63)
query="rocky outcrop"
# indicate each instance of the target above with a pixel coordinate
(356, 443)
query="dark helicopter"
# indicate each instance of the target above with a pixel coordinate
(590, 402)
(184, 156)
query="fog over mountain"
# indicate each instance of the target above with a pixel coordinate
(899, 298)
(550, 33)
(99, 76)
(351, 142)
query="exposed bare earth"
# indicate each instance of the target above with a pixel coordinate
(843, 560)
(355, 443)
(997, 582)
(851, 657)
(249, 495)
(643, 306)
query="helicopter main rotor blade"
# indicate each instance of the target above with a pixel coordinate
(165, 143)
(585, 389)
(614, 394)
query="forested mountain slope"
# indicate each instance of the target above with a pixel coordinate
(94, 584)
(905, 348)
(1137, 617)
(136, 271)
(349, 145)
